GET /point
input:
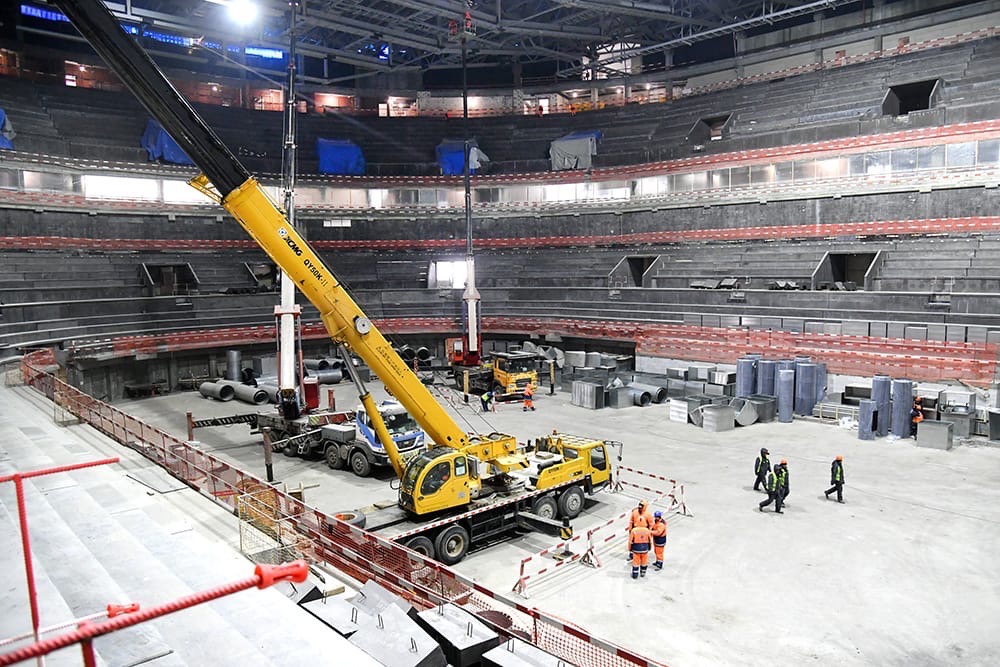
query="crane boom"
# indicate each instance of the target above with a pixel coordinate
(242, 196)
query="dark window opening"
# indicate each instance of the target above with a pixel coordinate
(909, 97)
(710, 128)
(169, 279)
(843, 270)
(637, 267)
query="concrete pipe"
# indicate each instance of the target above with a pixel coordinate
(640, 397)
(328, 377)
(423, 354)
(246, 393)
(234, 360)
(407, 352)
(271, 391)
(656, 394)
(316, 364)
(220, 392)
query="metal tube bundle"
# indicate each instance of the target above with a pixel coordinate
(271, 391)
(246, 393)
(317, 364)
(656, 394)
(220, 392)
(423, 354)
(746, 376)
(866, 419)
(640, 397)
(881, 391)
(766, 368)
(786, 395)
(332, 376)
(785, 365)
(805, 388)
(902, 405)
(234, 359)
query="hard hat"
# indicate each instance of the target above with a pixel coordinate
(784, 462)
(839, 457)
(642, 503)
(763, 450)
(657, 514)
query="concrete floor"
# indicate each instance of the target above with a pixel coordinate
(904, 573)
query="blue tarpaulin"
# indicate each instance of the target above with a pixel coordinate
(6, 131)
(450, 157)
(161, 146)
(338, 156)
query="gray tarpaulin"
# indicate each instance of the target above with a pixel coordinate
(574, 151)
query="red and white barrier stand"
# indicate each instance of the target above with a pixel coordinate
(547, 561)
(675, 492)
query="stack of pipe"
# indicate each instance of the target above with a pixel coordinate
(219, 392)
(246, 393)
(654, 393)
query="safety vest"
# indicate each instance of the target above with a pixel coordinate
(838, 471)
(762, 464)
(639, 539)
(640, 518)
(771, 483)
(487, 396)
(529, 392)
(782, 477)
(660, 532)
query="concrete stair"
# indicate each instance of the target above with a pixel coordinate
(99, 537)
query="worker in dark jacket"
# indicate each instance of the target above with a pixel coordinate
(836, 479)
(761, 467)
(783, 487)
(771, 486)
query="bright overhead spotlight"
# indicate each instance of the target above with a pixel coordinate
(243, 12)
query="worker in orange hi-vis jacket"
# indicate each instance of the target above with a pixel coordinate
(641, 516)
(640, 542)
(659, 532)
(529, 396)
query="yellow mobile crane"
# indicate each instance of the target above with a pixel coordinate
(462, 489)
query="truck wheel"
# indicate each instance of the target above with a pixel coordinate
(332, 456)
(545, 507)
(290, 450)
(360, 465)
(451, 544)
(422, 545)
(571, 502)
(352, 517)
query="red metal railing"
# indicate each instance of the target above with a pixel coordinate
(264, 576)
(322, 537)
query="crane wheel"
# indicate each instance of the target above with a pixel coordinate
(451, 544)
(360, 465)
(571, 502)
(352, 518)
(545, 507)
(331, 454)
(422, 545)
